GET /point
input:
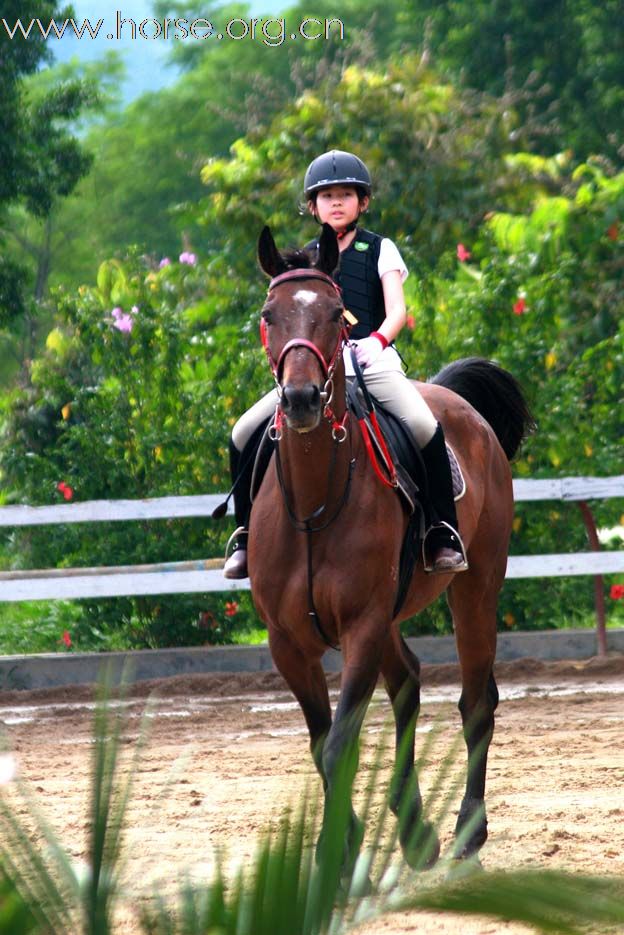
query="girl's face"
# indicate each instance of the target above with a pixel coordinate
(338, 206)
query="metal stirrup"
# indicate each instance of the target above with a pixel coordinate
(427, 565)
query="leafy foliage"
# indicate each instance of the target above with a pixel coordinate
(542, 293)
(568, 57)
(144, 409)
(129, 400)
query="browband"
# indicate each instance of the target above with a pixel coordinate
(303, 274)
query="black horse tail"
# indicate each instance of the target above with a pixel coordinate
(495, 394)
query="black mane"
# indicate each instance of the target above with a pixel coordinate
(297, 258)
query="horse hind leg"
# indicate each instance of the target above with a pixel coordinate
(475, 631)
(401, 672)
(471, 827)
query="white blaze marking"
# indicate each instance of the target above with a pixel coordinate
(305, 296)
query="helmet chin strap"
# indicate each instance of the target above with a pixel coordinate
(351, 226)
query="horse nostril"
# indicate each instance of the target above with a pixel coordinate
(301, 399)
(287, 400)
(315, 396)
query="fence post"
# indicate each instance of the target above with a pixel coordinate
(599, 601)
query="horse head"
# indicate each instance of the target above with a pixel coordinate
(302, 327)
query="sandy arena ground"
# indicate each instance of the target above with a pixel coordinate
(227, 753)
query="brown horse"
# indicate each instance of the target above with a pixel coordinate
(325, 538)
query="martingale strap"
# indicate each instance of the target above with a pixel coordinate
(389, 478)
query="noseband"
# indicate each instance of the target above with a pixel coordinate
(327, 367)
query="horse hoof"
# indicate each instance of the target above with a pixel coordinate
(462, 868)
(422, 847)
(471, 829)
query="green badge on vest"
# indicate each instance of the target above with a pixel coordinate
(361, 246)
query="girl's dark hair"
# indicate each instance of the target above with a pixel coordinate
(361, 193)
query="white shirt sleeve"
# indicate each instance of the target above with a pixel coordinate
(390, 259)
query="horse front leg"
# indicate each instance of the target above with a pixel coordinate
(361, 666)
(401, 671)
(306, 679)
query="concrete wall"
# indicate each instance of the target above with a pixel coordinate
(61, 669)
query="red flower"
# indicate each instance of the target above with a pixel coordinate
(612, 231)
(231, 608)
(207, 621)
(520, 306)
(617, 592)
(462, 253)
(65, 489)
(410, 321)
(66, 638)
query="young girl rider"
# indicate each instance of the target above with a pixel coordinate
(337, 188)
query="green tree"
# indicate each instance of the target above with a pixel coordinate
(40, 162)
(567, 56)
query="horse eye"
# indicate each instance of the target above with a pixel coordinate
(266, 316)
(337, 313)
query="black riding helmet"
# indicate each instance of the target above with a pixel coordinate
(336, 168)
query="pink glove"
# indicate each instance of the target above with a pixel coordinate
(367, 350)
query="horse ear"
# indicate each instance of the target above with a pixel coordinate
(328, 252)
(269, 256)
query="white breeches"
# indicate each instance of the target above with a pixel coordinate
(386, 382)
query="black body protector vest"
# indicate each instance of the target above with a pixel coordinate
(359, 281)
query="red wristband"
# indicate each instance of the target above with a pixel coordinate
(380, 337)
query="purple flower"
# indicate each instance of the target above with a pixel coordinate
(189, 258)
(164, 262)
(123, 323)
(117, 313)
(134, 309)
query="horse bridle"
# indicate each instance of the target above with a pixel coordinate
(339, 430)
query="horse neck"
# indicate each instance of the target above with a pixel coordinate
(315, 467)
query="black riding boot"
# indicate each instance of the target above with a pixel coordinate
(241, 470)
(443, 549)
(242, 466)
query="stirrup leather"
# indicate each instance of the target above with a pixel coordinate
(428, 566)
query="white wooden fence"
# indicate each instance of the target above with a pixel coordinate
(205, 575)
